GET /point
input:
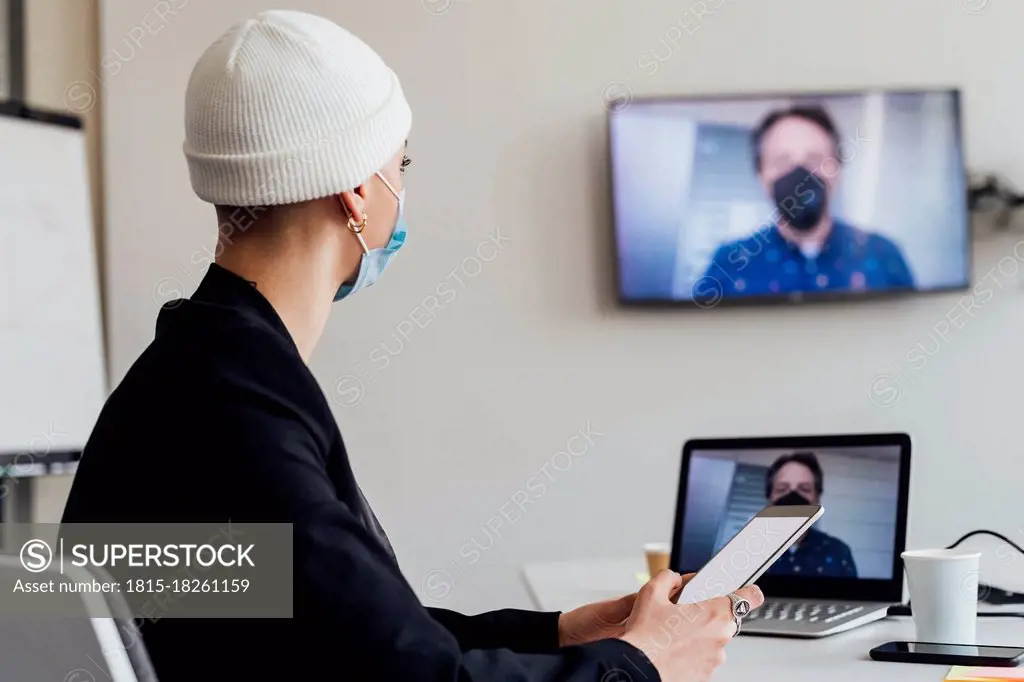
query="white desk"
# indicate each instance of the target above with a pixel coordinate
(561, 586)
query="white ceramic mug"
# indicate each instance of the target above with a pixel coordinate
(943, 594)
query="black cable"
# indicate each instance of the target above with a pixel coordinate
(994, 534)
(985, 592)
(994, 193)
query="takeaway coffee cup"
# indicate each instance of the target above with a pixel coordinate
(943, 594)
(657, 554)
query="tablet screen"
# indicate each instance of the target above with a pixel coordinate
(742, 557)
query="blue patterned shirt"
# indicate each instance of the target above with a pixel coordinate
(765, 263)
(818, 554)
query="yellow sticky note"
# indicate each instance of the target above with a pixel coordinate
(965, 673)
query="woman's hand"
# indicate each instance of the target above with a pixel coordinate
(685, 643)
(600, 620)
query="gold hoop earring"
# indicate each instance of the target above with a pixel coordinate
(355, 227)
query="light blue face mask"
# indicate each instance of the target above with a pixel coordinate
(374, 261)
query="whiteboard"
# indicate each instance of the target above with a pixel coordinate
(52, 369)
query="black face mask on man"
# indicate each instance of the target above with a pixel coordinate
(792, 498)
(801, 198)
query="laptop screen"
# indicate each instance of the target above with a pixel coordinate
(858, 486)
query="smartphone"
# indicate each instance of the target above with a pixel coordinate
(949, 654)
(751, 552)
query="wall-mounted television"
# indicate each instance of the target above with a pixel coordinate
(789, 197)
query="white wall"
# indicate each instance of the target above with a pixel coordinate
(462, 426)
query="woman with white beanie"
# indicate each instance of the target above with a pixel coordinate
(296, 131)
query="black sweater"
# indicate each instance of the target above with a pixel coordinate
(221, 419)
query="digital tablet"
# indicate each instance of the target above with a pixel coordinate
(751, 552)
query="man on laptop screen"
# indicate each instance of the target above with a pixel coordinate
(798, 479)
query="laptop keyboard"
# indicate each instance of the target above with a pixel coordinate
(803, 611)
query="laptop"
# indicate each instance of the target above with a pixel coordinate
(846, 571)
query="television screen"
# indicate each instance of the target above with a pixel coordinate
(780, 198)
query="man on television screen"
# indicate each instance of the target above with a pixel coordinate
(797, 479)
(804, 249)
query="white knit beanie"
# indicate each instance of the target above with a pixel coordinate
(289, 107)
